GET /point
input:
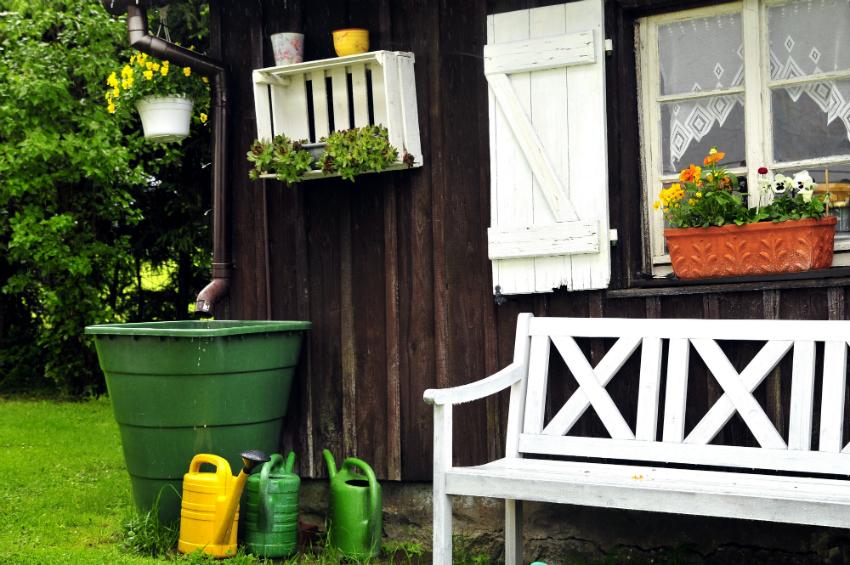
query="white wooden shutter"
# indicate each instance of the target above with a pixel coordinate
(548, 155)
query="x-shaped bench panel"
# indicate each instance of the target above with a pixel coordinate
(738, 390)
(592, 387)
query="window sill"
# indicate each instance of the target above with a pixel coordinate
(823, 278)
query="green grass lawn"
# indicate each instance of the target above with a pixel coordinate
(65, 491)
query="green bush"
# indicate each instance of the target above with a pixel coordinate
(86, 206)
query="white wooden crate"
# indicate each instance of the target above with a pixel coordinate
(309, 100)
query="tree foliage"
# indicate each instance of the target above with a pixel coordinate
(86, 206)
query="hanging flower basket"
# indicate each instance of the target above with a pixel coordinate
(165, 118)
(751, 249)
(164, 96)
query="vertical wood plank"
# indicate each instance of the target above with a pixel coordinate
(442, 541)
(321, 118)
(511, 175)
(650, 387)
(832, 403)
(588, 145)
(774, 385)
(289, 108)
(513, 532)
(263, 111)
(339, 90)
(409, 115)
(546, 87)
(835, 303)
(516, 411)
(358, 91)
(393, 331)
(347, 338)
(538, 377)
(802, 396)
(675, 399)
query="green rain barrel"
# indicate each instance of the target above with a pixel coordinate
(188, 387)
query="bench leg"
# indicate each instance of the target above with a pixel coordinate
(513, 532)
(442, 528)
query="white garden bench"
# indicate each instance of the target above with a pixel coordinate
(780, 481)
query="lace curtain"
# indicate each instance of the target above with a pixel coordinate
(810, 120)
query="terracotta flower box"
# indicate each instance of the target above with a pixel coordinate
(751, 249)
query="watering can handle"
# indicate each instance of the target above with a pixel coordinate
(265, 505)
(222, 467)
(374, 508)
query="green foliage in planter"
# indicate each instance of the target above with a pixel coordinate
(709, 196)
(282, 157)
(86, 207)
(359, 150)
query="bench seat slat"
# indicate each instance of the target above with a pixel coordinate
(813, 501)
(715, 455)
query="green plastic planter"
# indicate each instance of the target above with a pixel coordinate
(182, 388)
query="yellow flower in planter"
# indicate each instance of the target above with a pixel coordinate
(148, 77)
(203, 117)
(110, 108)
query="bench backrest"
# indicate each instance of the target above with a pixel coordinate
(661, 437)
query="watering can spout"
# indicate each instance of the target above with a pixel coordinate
(225, 520)
(329, 459)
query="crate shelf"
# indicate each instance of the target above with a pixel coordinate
(310, 100)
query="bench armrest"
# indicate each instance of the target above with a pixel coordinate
(477, 390)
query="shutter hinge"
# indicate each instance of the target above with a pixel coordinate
(609, 46)
(613, 237)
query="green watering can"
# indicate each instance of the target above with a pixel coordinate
(269, 511)
(354, 513)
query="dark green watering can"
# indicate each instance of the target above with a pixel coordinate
(269, 512)
(354, 508)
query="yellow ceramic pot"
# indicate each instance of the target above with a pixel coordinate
(351, 41)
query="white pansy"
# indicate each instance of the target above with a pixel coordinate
(806, 193)
(804, 179)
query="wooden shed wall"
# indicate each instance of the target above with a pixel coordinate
(393, 270)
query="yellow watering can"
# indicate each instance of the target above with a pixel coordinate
(208, 518)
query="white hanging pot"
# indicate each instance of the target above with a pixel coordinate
(165, 118)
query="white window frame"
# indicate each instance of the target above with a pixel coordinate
(758, 125)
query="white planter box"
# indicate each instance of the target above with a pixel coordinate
(309, 100)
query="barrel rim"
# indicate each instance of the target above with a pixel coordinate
(198, 328)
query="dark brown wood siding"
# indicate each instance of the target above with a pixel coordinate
(393, 270)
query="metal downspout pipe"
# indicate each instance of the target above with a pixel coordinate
(142, 40)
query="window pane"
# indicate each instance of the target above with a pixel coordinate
(811, 120)
(701, 54)
(690, 128)
(808, 38)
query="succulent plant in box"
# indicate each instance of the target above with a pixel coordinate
(286, 159)
(359, 150)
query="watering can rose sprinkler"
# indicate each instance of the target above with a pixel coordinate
(208, 518)
(354, 508)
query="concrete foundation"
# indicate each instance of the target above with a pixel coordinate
(562, 534)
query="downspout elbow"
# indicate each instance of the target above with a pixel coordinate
(211, 295)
